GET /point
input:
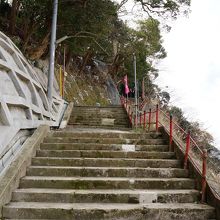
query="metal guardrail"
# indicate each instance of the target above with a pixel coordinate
(198, 156)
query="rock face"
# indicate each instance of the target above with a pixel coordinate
(94, 174)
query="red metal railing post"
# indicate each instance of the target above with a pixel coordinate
(149, 120)
(140, 119)
(144, 119)
(122, 100)
(131, 118)
(187, 150)
(204, 169)
(171, 133)
(135, 122)
(157, 117)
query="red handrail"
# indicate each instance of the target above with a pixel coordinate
(171, 133)
(187, 150)
(157, 118)
(173, 124)
(149, 120)
(189, 140)
(144, 119)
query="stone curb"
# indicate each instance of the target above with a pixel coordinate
(9, 180)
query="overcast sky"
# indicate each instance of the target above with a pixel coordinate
(192, 69)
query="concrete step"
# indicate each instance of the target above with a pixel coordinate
(115, 127)
(89, 123)
(105, 183)
(105, 196)
(95, 117)
(113, 211)
(106, 172)
(80, 113)
(99, 109)
(104, 154)
(106, 135)
(98, 114)
(101, 127)
(92, 123)
(105, 140)
(100, 122)
(98, 117)
(106, 162)
(100, 147)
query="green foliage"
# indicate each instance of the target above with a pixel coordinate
(4, 8)
(94, 21)
(35, 15)
(146, 44)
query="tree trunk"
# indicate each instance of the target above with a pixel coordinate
(39, 51)
(27, 36)
(68, 58)
(14, 9)
(85, 60)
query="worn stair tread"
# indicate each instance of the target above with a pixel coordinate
(105, 171)
(54, 178)
(104, 139)
(109, 151)
(105, 154)
(108, 206)
(138, 134)
(106, 158)
(103, 162)
(104, 195)
(105, 191)
(100, 147)
(113, 211)
(106, 182)
(107, 168)
(124, 128)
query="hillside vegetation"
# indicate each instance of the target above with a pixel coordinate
(98, 33)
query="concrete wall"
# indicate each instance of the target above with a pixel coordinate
(23, 100)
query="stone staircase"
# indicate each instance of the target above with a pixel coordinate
(83, 174)
(105, 117)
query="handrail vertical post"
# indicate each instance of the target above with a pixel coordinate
(144, 119)
(187, 150)
(157, 117)
(149, 120)
(135, 121)
(171, 133)
(140, 119)
(204, 170)
(131, 115)
(122, 100)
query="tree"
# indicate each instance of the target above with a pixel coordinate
(145, 42)
(14, 11)
(164, 8)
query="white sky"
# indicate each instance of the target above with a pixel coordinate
(192, 69)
